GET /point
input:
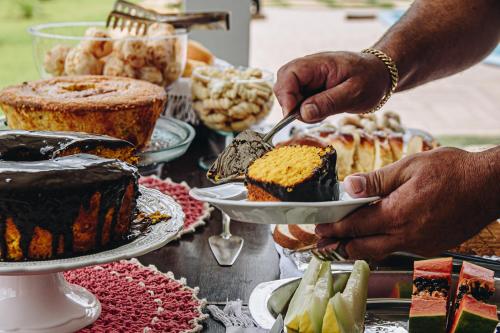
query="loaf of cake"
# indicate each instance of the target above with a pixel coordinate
(58, 200)
(294, 173)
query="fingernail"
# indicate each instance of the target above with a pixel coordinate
(311, 111)
(355, 184)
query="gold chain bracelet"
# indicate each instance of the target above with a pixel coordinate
(393, 71)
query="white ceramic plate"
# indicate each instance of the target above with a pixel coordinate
(232, 199)
(159, 235)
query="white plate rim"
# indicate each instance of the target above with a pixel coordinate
(277, 204)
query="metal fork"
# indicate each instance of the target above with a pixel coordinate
(127, 15)
(322, 252)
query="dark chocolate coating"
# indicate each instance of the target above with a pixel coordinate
(18, 145)
(36, 190)
(322, 185)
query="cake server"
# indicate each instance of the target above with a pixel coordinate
(231, 164)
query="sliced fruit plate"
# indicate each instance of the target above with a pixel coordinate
(387, 306)
(232, 199)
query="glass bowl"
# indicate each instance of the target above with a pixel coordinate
(231, 99)
(79, 48)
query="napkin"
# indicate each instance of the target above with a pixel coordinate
(235, 318)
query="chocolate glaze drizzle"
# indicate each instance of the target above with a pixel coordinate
(50, 193)
(18, 145)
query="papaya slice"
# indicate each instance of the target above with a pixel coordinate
(474, 316)
(427, 315)
(475, 281)
(430, 295)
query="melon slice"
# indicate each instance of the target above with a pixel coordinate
(337, 318)
(427, 315)
(298, 303)
(356, 293)
(339, 282)
(346, 311)
(474, 317)
(308, 305)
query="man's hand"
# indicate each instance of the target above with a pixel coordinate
(330, 83)
(431, 202)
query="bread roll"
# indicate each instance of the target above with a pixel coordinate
(345, 146)
(396, 143)
(198, 52)
(284, 238)
(305, 233)
(383, 152)
(365, 153)
(190, 66)
(415, 145)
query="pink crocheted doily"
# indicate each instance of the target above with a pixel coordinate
(135, 298)
(196, 211)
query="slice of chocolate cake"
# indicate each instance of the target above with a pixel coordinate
(294, 173)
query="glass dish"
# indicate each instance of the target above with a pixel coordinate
(231, 99)
(79, 48)
(171, 139)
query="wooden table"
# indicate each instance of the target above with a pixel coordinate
(191, 257)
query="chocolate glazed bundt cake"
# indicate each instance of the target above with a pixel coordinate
(57, 200)
(294, 173)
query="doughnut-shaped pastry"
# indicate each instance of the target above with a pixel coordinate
(116, 106)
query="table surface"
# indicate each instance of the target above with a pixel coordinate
(191, 257)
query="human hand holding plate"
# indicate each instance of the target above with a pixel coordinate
(430, 202)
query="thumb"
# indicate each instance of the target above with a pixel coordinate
(329, 102)
(380, 182)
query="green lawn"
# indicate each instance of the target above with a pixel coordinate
(16, 58)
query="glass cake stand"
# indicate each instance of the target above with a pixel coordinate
(35, 297)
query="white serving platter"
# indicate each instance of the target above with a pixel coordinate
(232, 199)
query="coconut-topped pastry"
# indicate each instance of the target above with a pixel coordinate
(294, 173)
